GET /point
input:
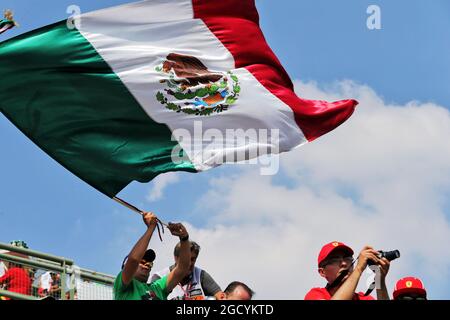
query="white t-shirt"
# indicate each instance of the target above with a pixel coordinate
(45, 281)
(2, 268)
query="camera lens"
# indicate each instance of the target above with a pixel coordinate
(390, 255)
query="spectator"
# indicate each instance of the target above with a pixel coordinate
(75, 295)
(55, 288)
(131, 282)
(197, 285)
(237, 291)
(16, 279)
(335, 264)
(44, 283)
(409, 288)
(2, 268)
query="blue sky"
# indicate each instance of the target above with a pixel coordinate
(322, 42)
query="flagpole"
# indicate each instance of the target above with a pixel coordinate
(133, 208)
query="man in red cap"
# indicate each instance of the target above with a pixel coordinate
(335, 264)
(409, 288)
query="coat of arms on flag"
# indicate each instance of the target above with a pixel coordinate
(193, 89)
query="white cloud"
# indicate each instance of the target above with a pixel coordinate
(160, 183)
(381, 178)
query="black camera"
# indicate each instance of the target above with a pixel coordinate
(389, 255)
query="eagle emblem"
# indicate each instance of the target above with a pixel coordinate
(193, 89)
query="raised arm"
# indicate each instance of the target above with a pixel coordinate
(138, 251)
(182, 267)
(382, 293)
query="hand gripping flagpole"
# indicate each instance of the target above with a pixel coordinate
(133, 208)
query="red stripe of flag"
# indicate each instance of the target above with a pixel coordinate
(236, 24)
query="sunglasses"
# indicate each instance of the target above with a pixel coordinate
(411, 297)
(147, 264)
(143, 262)
(337, 261)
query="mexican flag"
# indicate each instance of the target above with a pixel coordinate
(8, 22)
(5, 25)
(155, 86)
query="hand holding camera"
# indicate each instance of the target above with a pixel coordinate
(369, 256)
(388, 255)
(384, 259)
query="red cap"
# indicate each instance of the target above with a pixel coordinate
(409, 285)
(329, 247)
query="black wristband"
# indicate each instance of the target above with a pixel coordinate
(185, 238)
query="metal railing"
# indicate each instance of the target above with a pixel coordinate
(74, 282)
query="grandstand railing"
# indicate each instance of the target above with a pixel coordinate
(45, 276)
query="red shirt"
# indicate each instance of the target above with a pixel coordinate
(17, 280)
(323, 294)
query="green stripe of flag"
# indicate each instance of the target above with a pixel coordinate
(60, 93)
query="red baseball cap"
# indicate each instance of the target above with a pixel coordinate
(409, 285)
(329, 247)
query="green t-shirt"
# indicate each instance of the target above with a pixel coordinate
(137, 290)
